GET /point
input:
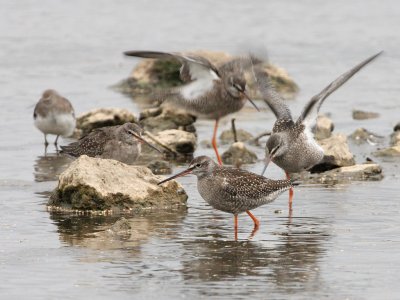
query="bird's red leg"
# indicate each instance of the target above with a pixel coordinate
(214, 142)
(236, 226)
(255, 220)
(291, 192)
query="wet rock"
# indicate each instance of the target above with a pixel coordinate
(103, 117)
(361, 172)
(362, 135)
(397, 127)
(395, 138)
(122, 226)
(364, 115)
(179, 141)
(238, 154)
(337, 150)
(155, 120)
(226, 136)
(94, 184)
(160, 167)
(150, 73)
(393, 151)
(324, 127)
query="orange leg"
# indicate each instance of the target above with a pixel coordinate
(214, 142)
(291, 193)
(255, 220)
(236, 226)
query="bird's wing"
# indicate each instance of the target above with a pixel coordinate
(244, 184)
(196, 67)
(271, 97)
(91, 144)
(310, 112)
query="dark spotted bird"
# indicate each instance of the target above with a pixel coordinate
(291, 145)
(121, 142)
(233, 190)
(54, 114)
(208, 91)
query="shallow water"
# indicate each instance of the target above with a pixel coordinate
(341, 242)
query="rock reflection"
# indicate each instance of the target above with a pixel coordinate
(48, 167)
(95, 232)
(289, 258)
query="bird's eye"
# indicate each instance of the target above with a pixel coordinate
(198, 165)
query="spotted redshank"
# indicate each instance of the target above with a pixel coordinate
(121, 142)
(233, 190)
(291, 145)
(208, 91)
(54, 114)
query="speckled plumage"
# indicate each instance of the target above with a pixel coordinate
(233, 190)
(291, 145)
(114, 142)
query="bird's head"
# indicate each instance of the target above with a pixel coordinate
(236, 87)
(131, 133)
(275, 148)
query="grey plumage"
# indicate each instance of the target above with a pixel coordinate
(291, 145)
(121, 142)
(232, 190)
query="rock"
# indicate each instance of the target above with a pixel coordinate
(103, 117)
(150, 73)
(122, 226)
(393, 151)
(155, 120)
(395, 138)
(337, 149)
(94, 184)
(364, 115)
(238, 154)
(361, 172)
(179, 141)
(226, 136)
(206, 144)
(397, 127)
(362, 135)
(323, 128)
(160, 167)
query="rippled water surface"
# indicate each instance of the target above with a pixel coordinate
(342, 242)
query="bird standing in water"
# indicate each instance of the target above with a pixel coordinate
(291, 145)
(53, 114)
(121, 142)
(233, 190)
(208, 91)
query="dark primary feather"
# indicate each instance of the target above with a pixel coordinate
(271, 97)
(311, 109)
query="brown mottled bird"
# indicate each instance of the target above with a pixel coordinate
(208, 91)
(291, 145)
(121, 142)
(233, 190)
(54, 114)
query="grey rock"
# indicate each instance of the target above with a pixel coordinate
(393, 151)
(337, 149)
(238, 154)
(397, 127)
(364, 115)
(362, 135)
(95, 184)
(178, 140)
(395, 138)
(226, 136)
(160, 167)
(324, 127)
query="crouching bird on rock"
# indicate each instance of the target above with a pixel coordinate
(233, 190)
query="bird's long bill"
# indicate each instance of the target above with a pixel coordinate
(142, 140)
(183, 173)
(251, 101)
(267, 160)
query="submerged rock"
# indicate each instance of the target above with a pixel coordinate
(362, 135)
(364, 115)
(337, 150)
(159, 119)
(238, 154)
(226, 136)
(103, 117)
(150, 73)
(324, 127)
(361, 172)
(393, 151)
(96, 184)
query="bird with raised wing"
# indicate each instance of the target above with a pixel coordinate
(291, 145)
(233, 190)
(208, 91)
(121, 142)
